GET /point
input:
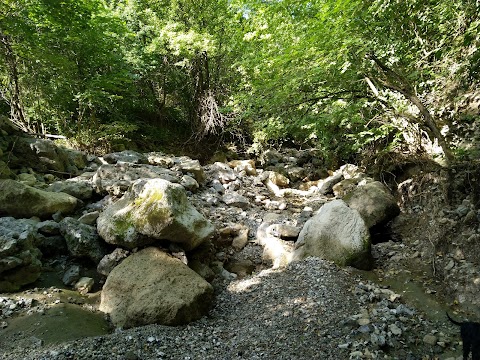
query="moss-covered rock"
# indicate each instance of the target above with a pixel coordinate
(153, 209)
(23, 201)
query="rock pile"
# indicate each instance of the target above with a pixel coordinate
(162, 230)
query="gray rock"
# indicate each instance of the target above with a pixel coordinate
(127, 156)
(82, 239)
(217, 186)
(76, 158)
(430, 339)
(27, 179)
(374, 203)
(152, 287)
(336, 233)
(116, 179)
(22, 201)
(48, 227)
(270, 157)
(89, 218)
(189, 183)
(237, 200)
(19, 257)
(326, 186)
(109, 261)
(153, 210)
(84, 285)
(202, 269)
(189, 166)
(345, 187)
(295, 173)
(43, 155)
(76, 187)
(72, 275)
(220, 172)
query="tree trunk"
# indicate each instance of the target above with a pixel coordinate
(398, 83)
(16, 108)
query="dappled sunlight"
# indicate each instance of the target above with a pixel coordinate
(243, 285)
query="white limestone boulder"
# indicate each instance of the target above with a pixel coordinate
(336, 233)
(23, 201)
(151, 286)
(151, 210)
(374, 202)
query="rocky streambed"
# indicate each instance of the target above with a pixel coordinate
(245, 233)
(310, 309)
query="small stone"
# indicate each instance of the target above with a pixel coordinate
(470, 217)
(237, 200)
(364, 329)
(394, 329)
(71, 275)
(450, 265)
(363, 321)
(84, 285)
(3, 324)
(430, 339)
(89, 218)
(130, 355)
(377, 340)
(356, 354)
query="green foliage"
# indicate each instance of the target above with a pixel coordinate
(308, 72)
(343, 75)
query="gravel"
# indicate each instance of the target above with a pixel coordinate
(310, 310)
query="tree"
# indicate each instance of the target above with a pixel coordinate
(179, 55)
(338, 71)
(63, 63)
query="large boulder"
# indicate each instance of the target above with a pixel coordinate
(19, 257)
(128, 156)
(23, 201)
(374, 203)
(116, 179)
(188, 166)
(336, 233)
(221, 172)
(43, 155)
(82, 240)
(153, 209)
(151, 286)
(78, 187)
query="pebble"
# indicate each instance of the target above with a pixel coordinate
(430, 339)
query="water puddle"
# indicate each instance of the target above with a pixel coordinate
(59, 323)
(413, 293)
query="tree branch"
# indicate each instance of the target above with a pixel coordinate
(400, 84)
